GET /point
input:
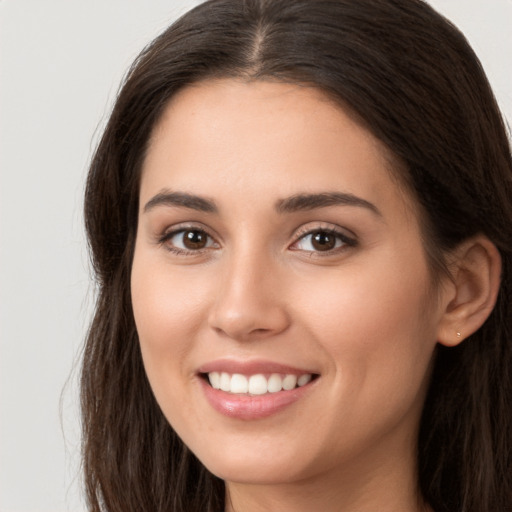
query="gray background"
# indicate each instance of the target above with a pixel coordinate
(60, 65)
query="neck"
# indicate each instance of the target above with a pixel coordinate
(381, 482)
(307, 495)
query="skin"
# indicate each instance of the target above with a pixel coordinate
(362, 316)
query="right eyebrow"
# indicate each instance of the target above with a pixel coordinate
(191, 201)
(301, 202)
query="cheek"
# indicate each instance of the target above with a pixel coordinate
(374, 324)
(166, 303)
(168, 307)
(365, 303)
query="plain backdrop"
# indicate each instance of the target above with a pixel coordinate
(60, 66)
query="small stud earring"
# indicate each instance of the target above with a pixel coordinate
(459, 334)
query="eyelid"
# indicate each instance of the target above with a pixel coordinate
(171, 231)
(312, 227)
(348, 238)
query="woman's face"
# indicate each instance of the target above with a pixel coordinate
(277, 255)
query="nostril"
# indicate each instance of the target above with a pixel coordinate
(244, 310)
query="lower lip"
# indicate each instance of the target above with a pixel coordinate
(246, 407)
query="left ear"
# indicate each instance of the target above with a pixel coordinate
(475, 269)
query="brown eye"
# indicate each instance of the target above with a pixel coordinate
(188, 240)
(194, 239)
(323, 241)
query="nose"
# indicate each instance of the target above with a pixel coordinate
(250, 301)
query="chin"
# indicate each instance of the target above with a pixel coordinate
(255, 472)
(248, 462)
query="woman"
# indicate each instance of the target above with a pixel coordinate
(299, 216)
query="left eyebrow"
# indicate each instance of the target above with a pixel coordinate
(304, 202)
(181, 199)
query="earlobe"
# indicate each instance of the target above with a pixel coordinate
(476, 271)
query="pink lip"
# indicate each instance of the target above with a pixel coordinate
(246, 407)
(250, 367)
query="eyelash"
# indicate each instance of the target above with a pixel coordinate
(164, 240)
(301, 235)
(346, 241)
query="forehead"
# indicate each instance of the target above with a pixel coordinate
(268, 139)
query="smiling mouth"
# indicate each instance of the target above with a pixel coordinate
(257, 384)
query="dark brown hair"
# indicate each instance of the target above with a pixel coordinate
(415, 83)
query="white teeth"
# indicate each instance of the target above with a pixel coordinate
(239, 383)
(289, 382)
(256, 384)
(303, 379)
(214, 378)
(275, 383)
(225, 381)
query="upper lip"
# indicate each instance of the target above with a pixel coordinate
(251, 367)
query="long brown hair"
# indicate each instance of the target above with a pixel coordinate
(413, 80)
